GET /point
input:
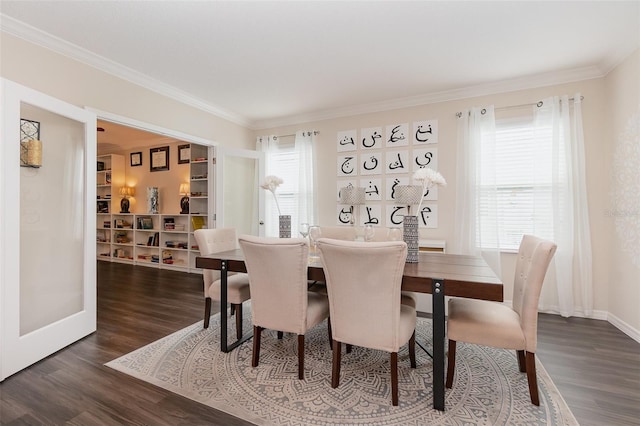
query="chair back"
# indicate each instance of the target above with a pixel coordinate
(277, 269)
(363, 285)
(534, 256)
(214, 241)
(347, 233)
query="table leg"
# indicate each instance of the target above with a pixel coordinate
(223, 306)
(224, 299)
(438, 343)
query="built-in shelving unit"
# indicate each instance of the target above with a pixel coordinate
(154, 240)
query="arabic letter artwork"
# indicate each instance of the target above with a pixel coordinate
(397, 135)
(425, 157)
(371, 137)
(372, 215)
(397, 161)
(425, 132)
(342, 184)
(347, 165)
(391, 186)
(344, 215)
(395, 214)
(428, 216)
(347, 140)
(371, 163)
(372, 189)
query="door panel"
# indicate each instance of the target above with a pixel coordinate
(47, 254)
(238, 195)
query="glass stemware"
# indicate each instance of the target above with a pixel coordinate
(304, 229)
(369, 232)
(314, 234)
(395, 234)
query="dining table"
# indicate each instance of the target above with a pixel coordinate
(438, 274)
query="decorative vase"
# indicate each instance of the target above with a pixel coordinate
(284, 226)
(410, 236)
(152, 200)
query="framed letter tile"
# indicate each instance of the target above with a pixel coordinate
(425, 157)
(391, 186)
(397, 135)
(371, 215)
(371, 137)
(346, 140)
(425, 132)
(342, 184)
(371, 163)
(395, 215)
(348, 165)
(428, 216)
(397, 161)
(372, 189)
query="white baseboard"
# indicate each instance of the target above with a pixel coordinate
(624, 327)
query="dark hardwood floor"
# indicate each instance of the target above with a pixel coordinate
(594, 365)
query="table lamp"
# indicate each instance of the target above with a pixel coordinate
(184, 201)
(125, 192)
(352, 196)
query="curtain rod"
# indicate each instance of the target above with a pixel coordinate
(538, 104)
(315, 132)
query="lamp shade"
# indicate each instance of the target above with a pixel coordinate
(184, 189)
(408, 194)
(352, 196)
(127, 191)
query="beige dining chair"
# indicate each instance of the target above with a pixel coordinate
(214, 241)
(363, 283)
(498, 325)
(280, 301)
(347, 233)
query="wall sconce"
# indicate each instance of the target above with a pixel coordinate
(31, 153)
(184, 201)
(352, 196)
(125, 192)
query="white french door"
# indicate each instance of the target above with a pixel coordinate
(47, 229)
(239, 199)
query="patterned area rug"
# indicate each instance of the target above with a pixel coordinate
(488, 388)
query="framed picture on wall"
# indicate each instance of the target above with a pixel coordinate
(136, 159)
(184, 154)
(159, 159)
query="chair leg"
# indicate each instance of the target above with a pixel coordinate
(349, 348)
(335, 370)
(451, 363)
(232, 310)
(301, 356)
(257, 331)
(532, 378)
(521, 362)
(412, 349)
(238, 320)
(207, 311)
(394, 378)
(329, 331)
(280, 335)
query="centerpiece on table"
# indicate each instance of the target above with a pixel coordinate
(414, 194)
(271, 183)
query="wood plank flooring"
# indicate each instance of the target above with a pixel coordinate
(594, 365)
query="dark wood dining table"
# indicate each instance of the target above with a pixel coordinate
(438, 274)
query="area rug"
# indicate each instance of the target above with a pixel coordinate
(488, 388)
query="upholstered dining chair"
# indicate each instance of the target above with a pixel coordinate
(363, 283)
(498, 325)
(280, 301)
(347, 233)
(214, 241)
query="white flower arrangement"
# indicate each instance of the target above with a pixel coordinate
(271, 183)
(429, 178)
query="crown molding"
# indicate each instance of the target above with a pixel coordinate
(505, 86)
(33, 35)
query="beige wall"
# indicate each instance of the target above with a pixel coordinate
(623, 90)
(594, 109)
(84, 86)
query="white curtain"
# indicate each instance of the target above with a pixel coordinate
(307, 210)
(295, 164)
(560, 119)
(477, 220)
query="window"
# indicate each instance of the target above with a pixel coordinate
(523, 185)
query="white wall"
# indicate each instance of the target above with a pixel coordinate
(623, 210)
(594, 111)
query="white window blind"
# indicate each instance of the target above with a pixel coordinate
(523, 183)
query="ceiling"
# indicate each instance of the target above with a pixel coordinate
(266, 64)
